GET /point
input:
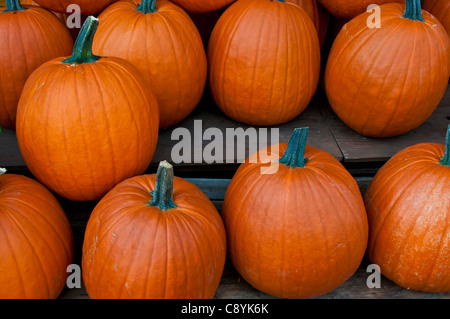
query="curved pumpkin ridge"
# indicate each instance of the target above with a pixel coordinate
(257, 25)
(399, 253)
(155, 38)
(34, 221)
(369, 69)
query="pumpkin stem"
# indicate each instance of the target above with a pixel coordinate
(2, 171)
(147, 6)
(162, 196)
(13, 5)
(295, 151)
(82, 51)
(413, 10)
(446, 159)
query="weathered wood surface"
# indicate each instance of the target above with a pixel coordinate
(232, 285)
(326, 132)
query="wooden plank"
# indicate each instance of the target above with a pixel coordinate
(320, 136)
(357, 148)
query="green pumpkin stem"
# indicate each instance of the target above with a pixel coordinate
(147, 6)
(82, 50)
(413, 10)
(446, 159)
(13, 5)
(294, 156)
(162, 196)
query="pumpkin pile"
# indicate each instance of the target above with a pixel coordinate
(88, 104)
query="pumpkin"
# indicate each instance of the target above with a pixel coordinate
(441, 10)
(37, 240)
(263, 71)
(161, 40)
(318, 14)
(87, 7)
(297, 229)
(29, 37)
(348, 9)
(383, 82)
(408, 205)
(73, 30)
(154, 237)
(202, 6)
(85, 123)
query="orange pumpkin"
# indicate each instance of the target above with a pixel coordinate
(386, 81)
(202, 6)
(441, 10)
(164, 44)
(348, 9)
(37, 240)
(155, 237)
(299, 229)
(263, 71)
(85, 123)
(318, 14)
(87, 7)
(29, 37)
(408, 205)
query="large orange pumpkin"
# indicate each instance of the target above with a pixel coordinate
(155, 237)
(440, 9)
(37, 241)
(386, 81)
(161, 40)
(86, 123)
(348, 9)
(29, 36)
(202, 6)
(263, 71)
(408, 205)
(300, 229)
(318, 14)
(87, 7)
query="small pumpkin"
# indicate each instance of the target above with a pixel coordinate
(29, 37)
(85, 123)
(408, 206)
(299, 229)
(87, 7)
(348, 9)
(202, 6)
(37, 240)
(156, 237)
(441, 10)
(318, 14)
(263, 71)
(161, 40)
(383, 82)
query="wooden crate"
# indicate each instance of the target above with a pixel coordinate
(360, 155)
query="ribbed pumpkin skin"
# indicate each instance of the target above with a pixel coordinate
(202, 6)
(87, 7)
(440, 9)
(298, 233)
(263, 71)
(134, 251)
(385, 82)
(83, 128)
(408, 206)
(348, 9)
(167, 49)
(37, 241)
(27, 39)
(318, 14)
